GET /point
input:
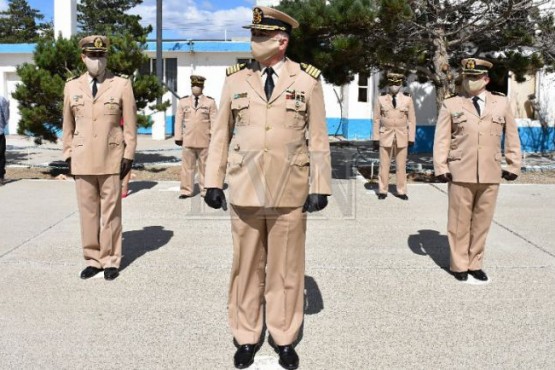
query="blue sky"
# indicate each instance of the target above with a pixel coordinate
(184, 19)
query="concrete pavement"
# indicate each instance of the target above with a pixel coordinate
(377, 292)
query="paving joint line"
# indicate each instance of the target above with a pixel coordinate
(36, 236)
(511, 231)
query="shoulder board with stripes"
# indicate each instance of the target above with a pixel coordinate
(122, 75)
(235, 68)
(497, 93)
(383, 94)
(71, 78)
(406, 93)
(311, 70)
(209, 97)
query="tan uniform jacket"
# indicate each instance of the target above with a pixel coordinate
(469, 147)
(278, 149)
(93, 136)
(193, 125)
(394, 123)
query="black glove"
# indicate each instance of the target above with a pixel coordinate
(509, 176)
(68, 161)
(179, 142)
(411, 144)
(215, 198)
(445, 177)
(315, 202)
(125, 167)
(376, 145)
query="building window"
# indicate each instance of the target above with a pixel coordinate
(363, 87)
(244, 60)
(170, 71)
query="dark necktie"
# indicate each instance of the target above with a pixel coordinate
(476, 105)
(94, 88)
(394, 101)
(269, 85)
(196, 101)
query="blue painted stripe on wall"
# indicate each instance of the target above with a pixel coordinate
(17, 48)
(169, 127)
(204, 46)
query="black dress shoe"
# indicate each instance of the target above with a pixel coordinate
(89, 272)
(382, 196)
(403, 196)
(184, 196)
(478, 275)
(461, 276)
(288, 358)
(244, 356)
(111, 273)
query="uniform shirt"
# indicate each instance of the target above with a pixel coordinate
(277, 72)
(469, 146)
(99, 80)
(4, 114)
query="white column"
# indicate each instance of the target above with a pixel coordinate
(65, 18)
(159, 126)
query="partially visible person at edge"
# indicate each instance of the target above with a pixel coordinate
(393, 132)
(99, 153)
(195, 116)
(271, 135)
(4, 121)
(467, 155)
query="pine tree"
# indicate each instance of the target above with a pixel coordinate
(40, 95)
(19, 23)
(427, 37)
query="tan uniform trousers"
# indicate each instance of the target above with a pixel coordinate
(99, 201)
(470, 214)
(189, 158)
(400, 168)
(268, 265)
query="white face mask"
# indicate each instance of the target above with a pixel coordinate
(196, 90)
(394, 89)
(264, 48)
(474, 86)
(96, 66)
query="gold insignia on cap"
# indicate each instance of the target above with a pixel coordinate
(257, 15)
(98, 42)
(470, 64)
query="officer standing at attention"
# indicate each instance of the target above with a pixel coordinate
(271, 135)
(99, 153)
(394, 128)
(467, 154)
(193, 122)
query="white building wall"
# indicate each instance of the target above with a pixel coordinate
(65, 18)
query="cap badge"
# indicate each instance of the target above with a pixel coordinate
(257, 15)
(470, 64)
(97, 42)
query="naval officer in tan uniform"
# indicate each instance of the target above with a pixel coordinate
(271, 137)
(193, 122)
(393, 130)
(99, 153)
(468, 154)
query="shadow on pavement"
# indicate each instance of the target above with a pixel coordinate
(136, 243)
(154, 158)
(137, 186)
(313, 303)
(431, 243)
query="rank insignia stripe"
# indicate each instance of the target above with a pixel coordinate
(311, 70)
